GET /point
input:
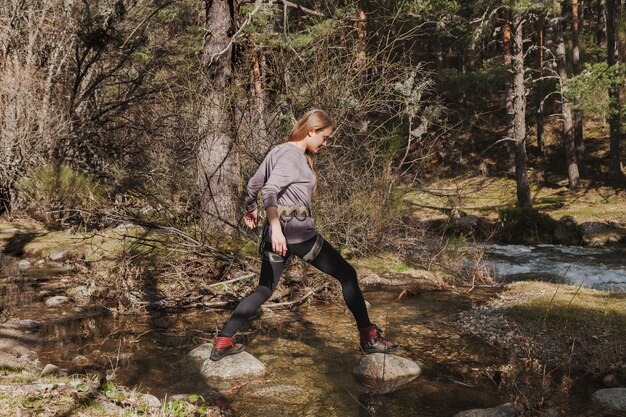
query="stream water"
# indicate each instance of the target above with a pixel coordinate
(596, 267)
(313, 348)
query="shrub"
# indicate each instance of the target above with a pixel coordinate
(526, 225)
(59, 196)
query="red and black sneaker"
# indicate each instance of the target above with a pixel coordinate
(224, 346)
(372, 341)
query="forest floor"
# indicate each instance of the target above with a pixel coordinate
(560, 329)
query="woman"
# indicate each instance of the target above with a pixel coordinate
(286, 180)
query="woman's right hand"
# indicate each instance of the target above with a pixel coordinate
(279, 243)
(251, 218)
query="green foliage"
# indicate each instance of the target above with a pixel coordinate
(526, 225)
(590, 88)
(195, 406)
(58, 196)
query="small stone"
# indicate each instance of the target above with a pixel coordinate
(610, 381)
(614, 398)
(50, 369)
(151, 400)
(24, 264)
(57, 255)
(504, 410)
(57, 301)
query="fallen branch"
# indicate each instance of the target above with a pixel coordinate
(230, 281)
(299, 301)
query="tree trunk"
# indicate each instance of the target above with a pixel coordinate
(566, 112)
(218, 165)
(578, 115)
(506, 44)
(519, 115)
(539, 84)
(615, 160)
(602, 23)
(361, 60)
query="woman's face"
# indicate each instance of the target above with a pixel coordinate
(316, 140)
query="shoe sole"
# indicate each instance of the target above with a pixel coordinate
(222, 356)
(367, 352)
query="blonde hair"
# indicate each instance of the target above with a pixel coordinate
(315, 119)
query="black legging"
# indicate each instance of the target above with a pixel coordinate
(328, 260)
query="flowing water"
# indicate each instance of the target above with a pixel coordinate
(595, 267)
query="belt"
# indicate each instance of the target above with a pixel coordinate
(285, 213)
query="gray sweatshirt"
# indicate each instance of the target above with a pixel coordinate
(284, 179)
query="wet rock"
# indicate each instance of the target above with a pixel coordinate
(50, 369)
(382, 373)
(24, 264)
(241, 365)
(9, 231)
(504, 410)
(11, 362)
(567, 231)
(614, 398)
(598, 234)
(286, 392)
(24, 325)
(57, 300)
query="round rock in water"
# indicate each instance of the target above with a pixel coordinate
(504, 410)
(614, 398)
(24, 325)
(382, 373)
(57, 300)
(241, 365)
(201, 353)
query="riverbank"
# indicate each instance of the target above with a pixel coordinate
(484, 208)
(479, 346)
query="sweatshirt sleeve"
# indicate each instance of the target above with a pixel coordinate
(254, 186)
(283, 173)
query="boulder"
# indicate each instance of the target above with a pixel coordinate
(599, 234)
(567, 231)
(11, 362)
(50, 369)
(201, 353)
(241, 365)
(150, 400)
(504, 410)
(614, 398)
(81, 361)
(382, 373)
(57, 300)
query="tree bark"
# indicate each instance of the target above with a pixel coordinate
(218, 165)
(615, 159)
(506, 44)
(566, 112)
(602, 23)
(539, 84)
(519, 114)
(578, 115)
